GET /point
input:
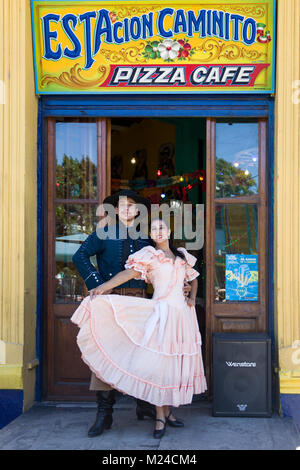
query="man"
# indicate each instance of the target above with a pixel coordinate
(112, 254)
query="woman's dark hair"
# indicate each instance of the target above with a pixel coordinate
(171, 240)
(174, 249)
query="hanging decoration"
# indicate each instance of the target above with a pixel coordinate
(181, 183)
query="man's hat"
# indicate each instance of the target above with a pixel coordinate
(114, 198)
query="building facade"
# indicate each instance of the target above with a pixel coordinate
(33, 128)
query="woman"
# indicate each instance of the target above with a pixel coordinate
(147, 348)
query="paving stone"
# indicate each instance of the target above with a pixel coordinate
(57, 426)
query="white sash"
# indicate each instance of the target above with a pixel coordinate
(159, 315)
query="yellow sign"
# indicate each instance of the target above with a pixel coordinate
(142, 46)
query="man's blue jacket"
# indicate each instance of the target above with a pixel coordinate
(111, 256)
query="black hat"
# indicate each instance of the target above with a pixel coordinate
(114, 198)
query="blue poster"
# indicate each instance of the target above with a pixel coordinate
(241, 278)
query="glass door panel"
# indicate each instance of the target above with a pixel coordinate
(237, 159)
(236, 233)
(73, 225)
(76, 160)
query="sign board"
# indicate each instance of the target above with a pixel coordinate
(241, 281)
(142, 46)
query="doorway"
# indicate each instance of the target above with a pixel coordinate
(164, 160)
(168, 160)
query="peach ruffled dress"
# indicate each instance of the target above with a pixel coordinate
(147, 348)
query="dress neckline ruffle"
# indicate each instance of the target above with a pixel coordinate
(166, 259)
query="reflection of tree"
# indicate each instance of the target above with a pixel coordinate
(232, 181)
(71, 219)
(76, 178)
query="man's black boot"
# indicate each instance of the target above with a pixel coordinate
(144, 408)
(105, 400)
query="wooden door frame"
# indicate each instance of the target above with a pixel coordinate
(164, 105)
(245, 309)
(103, 185)
(104, 148)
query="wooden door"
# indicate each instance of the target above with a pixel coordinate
(236, 223)
(77, 181)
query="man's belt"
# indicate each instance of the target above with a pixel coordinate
(134, 291)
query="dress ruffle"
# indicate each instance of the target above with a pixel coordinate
(190, 272)
(142, 259)
(112, 330)
(190, 259)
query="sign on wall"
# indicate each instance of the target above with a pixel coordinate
(143, 46)
(241, 281)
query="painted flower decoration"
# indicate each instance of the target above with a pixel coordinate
(151, 51)
(113, 16)
(168, 49)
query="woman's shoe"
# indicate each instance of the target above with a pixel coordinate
(158, 433)
(176, 423)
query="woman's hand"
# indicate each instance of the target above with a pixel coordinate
(108, 286)
(99, 290)
(191, 301)
(186, 289)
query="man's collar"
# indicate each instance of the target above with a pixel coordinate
(122, 227)
(122, 231)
